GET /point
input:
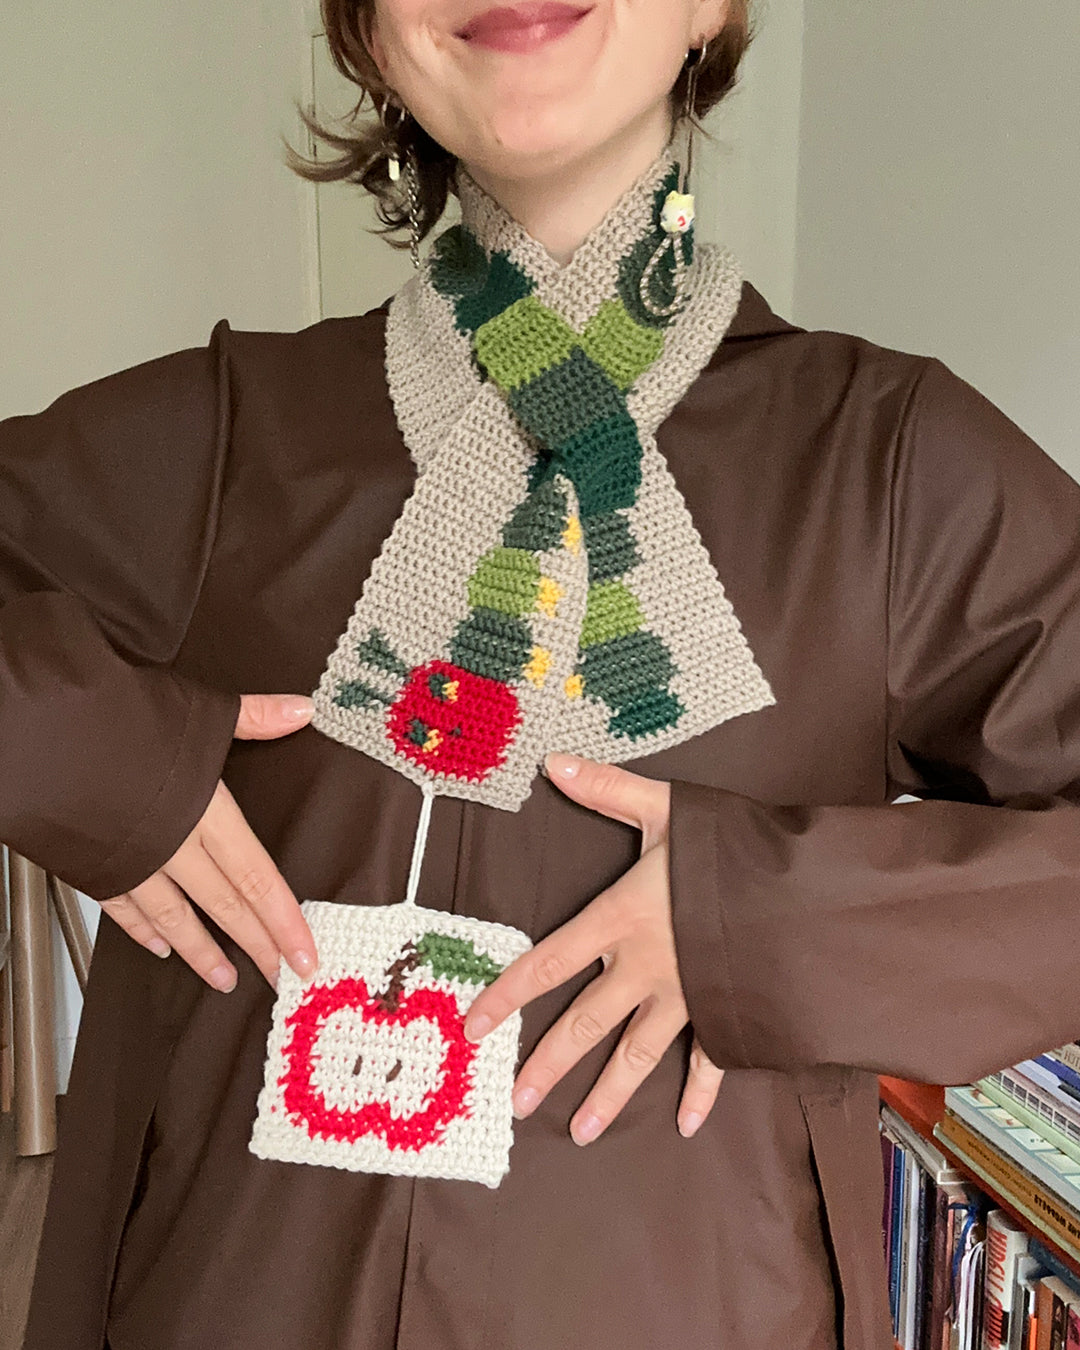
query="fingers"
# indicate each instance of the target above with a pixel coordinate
(201, 878)
(124, 911)
(561, 955)
(599, 1008)
(254, 880)
(167, 909)
(651, 1030)
(265, 717)
(641, 802)
(699, 1096)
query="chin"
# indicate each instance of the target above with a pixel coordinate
(534, 141)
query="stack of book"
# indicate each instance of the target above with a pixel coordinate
(1019, 1130)
(964, 1275)
(934, 1229)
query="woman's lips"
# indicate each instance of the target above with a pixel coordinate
(522, 28)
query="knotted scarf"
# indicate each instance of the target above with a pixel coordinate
(544, 588)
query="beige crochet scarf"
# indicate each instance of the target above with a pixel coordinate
(544, 588)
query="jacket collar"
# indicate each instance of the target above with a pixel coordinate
(755, 319)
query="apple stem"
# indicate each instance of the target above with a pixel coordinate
(409, 959)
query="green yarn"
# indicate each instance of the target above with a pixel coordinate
(507, 580)
(610, 545)
(538, 523)
(457, 959)
(418, 732)
(458, 263)
(480, 287)
(626, 668)
(522, 342)
(603, 461)
(358, 694)
(611, 611)
(658, 710)
(492, 644)
(622, 347)
(564, 402)
(377, 652)
(568, 391)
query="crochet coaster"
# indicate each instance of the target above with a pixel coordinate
(367, 1064)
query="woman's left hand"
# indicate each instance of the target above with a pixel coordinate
(629, 928)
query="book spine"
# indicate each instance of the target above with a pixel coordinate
(1006, 1242)
(1072, 1332)
(1046, 1122)
(897, 1230)
(1044, 1307)
(911, 1249)
(924, 1262)
(1063, 1117)
(1053, 1264)
(1031, 1200)
(1069, 1054)
(1060, 1314)
(1054, 1172)
(1062, 1092)
(1059, 1069)
(887, 1148)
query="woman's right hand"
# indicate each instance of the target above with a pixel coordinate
(226, 871)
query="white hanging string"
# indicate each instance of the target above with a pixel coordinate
(419, 845)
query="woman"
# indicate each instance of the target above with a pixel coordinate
(785, 576)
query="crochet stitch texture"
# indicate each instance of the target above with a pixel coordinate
(544, 588)
(367, 1065)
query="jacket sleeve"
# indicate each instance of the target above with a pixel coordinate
(939, 940)
(108, 507)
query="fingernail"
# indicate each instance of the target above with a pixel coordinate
(223, 978)
(298, 706)
(563, 766)
(159, 947)
(690, 1124)
(585, 1130)
(303, 963)
(476, 1028)
(525, 1102)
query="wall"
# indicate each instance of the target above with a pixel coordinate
(144, 192)
(939, 193)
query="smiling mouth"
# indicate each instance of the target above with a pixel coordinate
(522, 28)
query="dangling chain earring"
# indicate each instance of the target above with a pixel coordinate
(412, 176)
(412, 195)
(677, 216)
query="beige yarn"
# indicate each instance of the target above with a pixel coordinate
(361, 1078)
(473, 459)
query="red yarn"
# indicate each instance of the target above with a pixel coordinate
(307, 1107)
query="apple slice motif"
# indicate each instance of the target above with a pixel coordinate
(395, 1065)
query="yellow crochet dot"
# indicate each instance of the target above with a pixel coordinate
(550, 595)
(434, 740)
(575, 687)
(450, 690)
(572, 535)
(536, 672)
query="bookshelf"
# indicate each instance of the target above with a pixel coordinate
(922, 1105)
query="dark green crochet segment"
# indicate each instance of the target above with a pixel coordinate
(568, 391)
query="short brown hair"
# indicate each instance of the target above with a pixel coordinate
(363, 151)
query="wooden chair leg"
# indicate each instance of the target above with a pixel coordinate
(73, 927)
(32, 1009)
